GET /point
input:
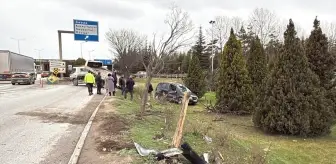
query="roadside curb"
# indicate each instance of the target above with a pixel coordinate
(75, 155)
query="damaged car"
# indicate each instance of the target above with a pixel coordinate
(174, 92)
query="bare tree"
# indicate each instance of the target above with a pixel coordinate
(237, 23)
(264, 23)
(221, 30)
(124, 44)
(300, 31)
(180, 25)
(329, 28)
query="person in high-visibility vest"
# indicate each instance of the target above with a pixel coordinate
(89, 79)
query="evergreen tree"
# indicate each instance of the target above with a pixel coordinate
(272, 50)
(242, 35)
(234, 92)
(79, 62)
(293, 102)
(185, 62)
(320, 60)
(256, 64)
(246, 38)
(195, 79)
(199, 50)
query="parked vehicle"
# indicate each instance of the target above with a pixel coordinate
(23, 78)
(78, 73)
(45, 74)
(11, 63)
(141, 74)
(174, 92)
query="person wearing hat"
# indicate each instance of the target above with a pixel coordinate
(90, 80)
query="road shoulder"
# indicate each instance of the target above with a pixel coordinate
(107, 139)
(64, 148)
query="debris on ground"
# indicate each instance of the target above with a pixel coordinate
(207, 139)
(171, 153)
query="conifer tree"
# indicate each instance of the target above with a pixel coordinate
(199, 50)
(257, 64)
(185, 62)
(320, 60)
(195, 78)
(293, 102)
(234, 92)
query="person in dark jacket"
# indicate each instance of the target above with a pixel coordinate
(129, 87)
(150, 91)
(99, 83)
(122, 84)
(114, 75)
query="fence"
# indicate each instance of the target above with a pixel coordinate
(170, 75)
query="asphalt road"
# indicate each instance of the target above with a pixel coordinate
(41, 125)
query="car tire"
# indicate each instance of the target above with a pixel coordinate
(13, 83)
(75, 82)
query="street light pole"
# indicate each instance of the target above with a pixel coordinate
(39, 55)
(18, 40)
(90, 54)
(212, 42)
(81, 47)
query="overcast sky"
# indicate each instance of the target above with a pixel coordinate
(37, 21)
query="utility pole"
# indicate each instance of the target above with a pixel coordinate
(212, 42)
(90, 54)
(39, 55)
(18, 41)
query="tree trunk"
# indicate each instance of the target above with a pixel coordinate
(145, 95)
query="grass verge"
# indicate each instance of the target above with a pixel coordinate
(234, 138)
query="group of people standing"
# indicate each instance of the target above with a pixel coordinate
(110, 84)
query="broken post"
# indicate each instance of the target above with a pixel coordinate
(179, 129)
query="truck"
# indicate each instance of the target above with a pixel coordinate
(11, 63)
(78, 73)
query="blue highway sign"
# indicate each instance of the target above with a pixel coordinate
(86, 30)
(105, 61)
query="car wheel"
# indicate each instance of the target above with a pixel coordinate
(34, 82)
(75, 82)
(13, 83)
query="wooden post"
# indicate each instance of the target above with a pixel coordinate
(179, 129)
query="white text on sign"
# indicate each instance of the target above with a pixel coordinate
(86, 29)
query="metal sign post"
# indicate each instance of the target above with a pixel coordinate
(83, 31)
(60, 44)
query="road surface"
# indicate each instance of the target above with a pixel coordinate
(42, 125)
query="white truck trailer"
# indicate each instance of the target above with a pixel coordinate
(11, 63)
(78, 73)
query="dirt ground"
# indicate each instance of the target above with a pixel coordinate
(107, 136)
